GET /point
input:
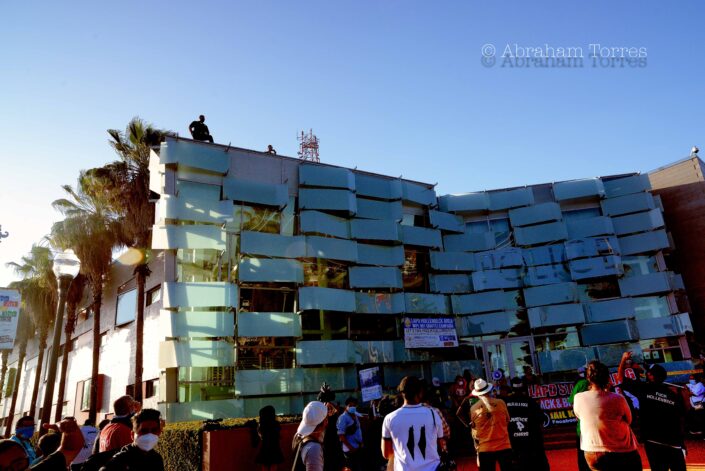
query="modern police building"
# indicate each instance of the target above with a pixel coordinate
(275, 274)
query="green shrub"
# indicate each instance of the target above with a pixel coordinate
(181, 447)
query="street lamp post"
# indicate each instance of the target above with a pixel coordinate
(66, 267)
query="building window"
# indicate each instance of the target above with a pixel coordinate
(502, 232)
(477, 227)
(126, 307)
(267, 300)
(373, 327)
(418, 220)
(154, 295)
(661, 350)
(639, 265)
(10, 381)
(651, 307)
(203, 265)
(151, 388)
(415, 270)
(258, 219)
(500, 227)
(604, 289)
(556, 338)
(206, 383)
(326, 274)
(265, 353)
(84, 388)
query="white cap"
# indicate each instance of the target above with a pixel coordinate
(314, 413)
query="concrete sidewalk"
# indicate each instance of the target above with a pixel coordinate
(565, 459)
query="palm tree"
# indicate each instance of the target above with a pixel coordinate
(38, 288)
(91, 231)
(25, 330)
(73, 299)
(126, 185)
(3, 371)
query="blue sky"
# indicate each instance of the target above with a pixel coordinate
(390, 86)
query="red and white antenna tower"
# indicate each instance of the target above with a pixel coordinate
(308, 146)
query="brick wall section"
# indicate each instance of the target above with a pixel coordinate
(681, 187)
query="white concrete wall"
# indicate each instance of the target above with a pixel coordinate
(116, 357)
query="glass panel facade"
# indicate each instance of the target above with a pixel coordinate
(206, 383)
(556, 338)
(258, 219)
(635, 265)
(651, 307)
(265, 353)
(204, 265)
(326, 274)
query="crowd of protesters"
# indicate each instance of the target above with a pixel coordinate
(427, 424)
(421, 428)
(124, 443)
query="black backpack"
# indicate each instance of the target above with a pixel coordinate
(297, 445)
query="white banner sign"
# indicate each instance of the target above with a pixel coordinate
(430, 332)
(371, 384)
(9, 314)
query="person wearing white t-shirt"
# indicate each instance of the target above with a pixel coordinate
(90, 434)
(413, 433)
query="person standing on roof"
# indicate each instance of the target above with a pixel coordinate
(199, 130)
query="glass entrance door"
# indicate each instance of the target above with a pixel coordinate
(510, 355)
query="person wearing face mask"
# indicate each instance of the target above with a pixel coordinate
(697, 405)
(458, 391)
(23, 433)
(350, 435)
(308, 440)
(140, 454)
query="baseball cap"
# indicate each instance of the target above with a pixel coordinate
(314, 413)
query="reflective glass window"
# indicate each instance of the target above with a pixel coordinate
(126, 307)
(326, 274)
(556, 338)
(502, 232)
(256, 218)
(204, 265)
(651, 307)
(206, 383)
(265, 353)
(639, 265)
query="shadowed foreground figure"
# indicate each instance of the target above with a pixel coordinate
(14, 458)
